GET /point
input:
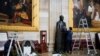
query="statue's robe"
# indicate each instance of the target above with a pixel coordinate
(60, 34)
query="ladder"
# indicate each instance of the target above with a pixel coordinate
(17, 46)
(82, 28)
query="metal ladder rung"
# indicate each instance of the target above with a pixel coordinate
(89, 39)
(76, 48)
(90, 45)
(76, 43)
(80, 24)
(85, 23)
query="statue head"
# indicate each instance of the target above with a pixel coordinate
(61, 17)
(70, 28)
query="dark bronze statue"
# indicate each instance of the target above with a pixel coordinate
(60, 36)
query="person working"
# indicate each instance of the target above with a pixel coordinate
(69, 40)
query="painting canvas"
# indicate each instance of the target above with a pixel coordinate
(88, 8)
(19, 13)
(16, 12)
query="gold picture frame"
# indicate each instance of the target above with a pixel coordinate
(35, 21)
(70, 22)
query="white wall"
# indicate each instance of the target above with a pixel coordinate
(25, 35)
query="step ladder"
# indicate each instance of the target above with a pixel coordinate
(83, 28)
(17, 46)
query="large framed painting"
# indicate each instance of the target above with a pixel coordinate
(91, 11)
(19, 15)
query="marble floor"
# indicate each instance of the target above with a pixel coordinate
(50, 54)
(75, 53)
